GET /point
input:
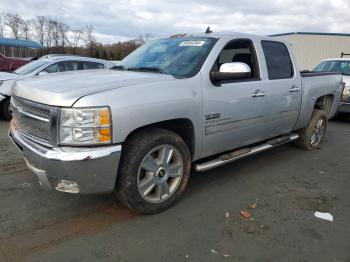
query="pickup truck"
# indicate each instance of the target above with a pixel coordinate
(173, 106)
(342, 66)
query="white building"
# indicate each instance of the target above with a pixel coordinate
(310, 48)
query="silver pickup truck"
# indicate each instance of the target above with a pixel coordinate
(175, 105)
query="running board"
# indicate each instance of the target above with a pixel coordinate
(244, 152)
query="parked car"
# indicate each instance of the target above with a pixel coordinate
(340, 65)
(9, 64)
(174, 105)
(46, 64)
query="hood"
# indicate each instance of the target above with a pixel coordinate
(64, 89)
(8, 76)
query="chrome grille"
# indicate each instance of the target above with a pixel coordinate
(32, 119)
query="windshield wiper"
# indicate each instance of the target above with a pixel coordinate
(144, 68)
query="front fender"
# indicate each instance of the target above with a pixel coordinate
(6, 87)
(134, 107)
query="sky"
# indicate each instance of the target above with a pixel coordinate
(118, 20)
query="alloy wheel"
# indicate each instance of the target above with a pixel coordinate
(160, 173)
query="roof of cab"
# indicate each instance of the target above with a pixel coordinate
(229, 35)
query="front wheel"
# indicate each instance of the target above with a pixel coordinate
(154, 170)
(6, 109)
(311, 137)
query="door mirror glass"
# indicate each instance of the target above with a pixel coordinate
(232, 71)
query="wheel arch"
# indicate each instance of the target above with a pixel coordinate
(182, 126)
(325, 103)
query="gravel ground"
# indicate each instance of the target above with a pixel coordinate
(281, 189)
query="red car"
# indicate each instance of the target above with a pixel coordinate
(9, 64)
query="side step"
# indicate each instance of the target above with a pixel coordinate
(244, 152)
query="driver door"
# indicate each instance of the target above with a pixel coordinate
(236, 111)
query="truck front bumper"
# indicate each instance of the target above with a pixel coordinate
(83, 170)
(344, 107)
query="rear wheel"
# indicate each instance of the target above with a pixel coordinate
(154, 171)
(311, 137)
(6, 109)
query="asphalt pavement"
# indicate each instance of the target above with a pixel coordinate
(280, 190)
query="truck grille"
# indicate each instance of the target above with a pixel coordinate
(32, 119)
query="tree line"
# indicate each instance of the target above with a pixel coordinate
(59, 37)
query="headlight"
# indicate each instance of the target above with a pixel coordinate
(85, 126)
(346, 93)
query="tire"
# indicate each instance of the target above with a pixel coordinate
(140, 168)
(306, 135)
(6, 112)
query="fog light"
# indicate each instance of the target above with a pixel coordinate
(68, 187)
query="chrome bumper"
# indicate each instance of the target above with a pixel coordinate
(82, 170)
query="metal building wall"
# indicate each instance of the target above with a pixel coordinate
(309, 50)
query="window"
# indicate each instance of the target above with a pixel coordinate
(62, 67)
(241, 50)
(339, 66)
(52, 68)
(31, 67)
(93, 65)
(278, 62)
(177, 56)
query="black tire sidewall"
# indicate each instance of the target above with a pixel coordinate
(306, 133)
(6, 109)
(135, 151)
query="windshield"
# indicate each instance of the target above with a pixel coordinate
(339, 66)
(31, 67)
(180, 57)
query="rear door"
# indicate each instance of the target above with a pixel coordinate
(284, 89)
(235, 111)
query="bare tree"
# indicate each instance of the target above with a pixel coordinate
(53, 24)
(47, 32)
(39, 28)
(89, 38)
(77, 35)
(2, 24)
(25, 29)
(15, 23)
(63, 30)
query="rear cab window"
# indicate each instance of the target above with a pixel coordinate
(278, 61)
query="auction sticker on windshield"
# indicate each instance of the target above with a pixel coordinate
(192, 43)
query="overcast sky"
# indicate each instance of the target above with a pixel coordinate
(121, 19)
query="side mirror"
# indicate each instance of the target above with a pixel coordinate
(43, 73)
(231, 71)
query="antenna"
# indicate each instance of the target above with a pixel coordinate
(208, 31)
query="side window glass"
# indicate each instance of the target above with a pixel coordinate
(80, 66)
(239, 51)
(52, 68)
(62, 67)
(278, 61)
(71, 66)
(92, 65)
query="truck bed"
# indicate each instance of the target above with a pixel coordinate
(311, 73)
(315, 85)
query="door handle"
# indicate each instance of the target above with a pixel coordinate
(258, 93)
(294, 89)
